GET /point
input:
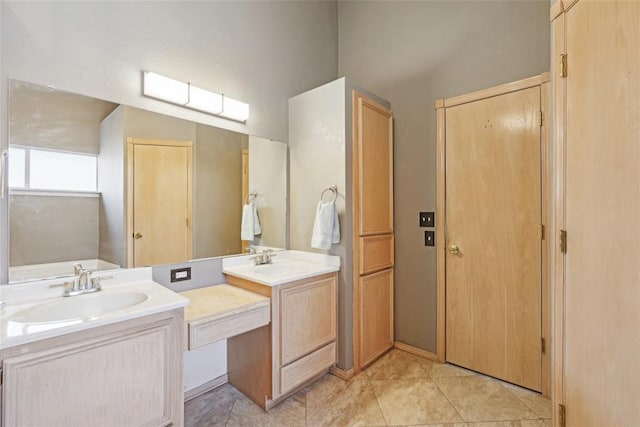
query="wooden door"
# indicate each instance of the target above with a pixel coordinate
(493, 226)
(373, 229)
(160, 185)
(602, 215)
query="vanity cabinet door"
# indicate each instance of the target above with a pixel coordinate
(307, 317)
(126, 378)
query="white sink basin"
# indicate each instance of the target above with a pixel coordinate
(79, 307)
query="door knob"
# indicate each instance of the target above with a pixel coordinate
(453, 249)
(137, 236)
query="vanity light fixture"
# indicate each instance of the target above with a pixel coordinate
(185, 94)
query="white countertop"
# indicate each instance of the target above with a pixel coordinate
(287, 266)
(20, 297)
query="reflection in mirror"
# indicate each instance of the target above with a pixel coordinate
(82, 172)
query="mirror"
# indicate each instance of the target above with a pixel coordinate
(73, 162)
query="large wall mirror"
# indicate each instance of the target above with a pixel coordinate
(112, 186)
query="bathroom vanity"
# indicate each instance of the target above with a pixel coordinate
(279, 319)
(109, 358)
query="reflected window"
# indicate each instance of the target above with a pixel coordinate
(38, 169)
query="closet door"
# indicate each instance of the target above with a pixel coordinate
(373, 229)
(493, 217)
(602, 214)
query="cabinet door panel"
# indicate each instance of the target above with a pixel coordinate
(94, 382)
(308, 318)
(376, 315)
(374, 157)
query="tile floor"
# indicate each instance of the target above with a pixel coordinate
(399, 389)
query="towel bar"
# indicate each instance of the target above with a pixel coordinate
(250, 197)
(333, 188)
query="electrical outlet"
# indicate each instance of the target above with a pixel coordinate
(180, 274)
(427, 219)
(429, 238)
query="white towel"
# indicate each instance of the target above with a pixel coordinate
(256, 222)
(326, 228)
(250, 223)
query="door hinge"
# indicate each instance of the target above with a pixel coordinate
(562, 415)
(540, 118)
(1, 376)
(542, 232)
(543, 344)
(187, 222)
(563, 65)
(563, 241)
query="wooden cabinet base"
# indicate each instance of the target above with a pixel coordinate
(128, 373)
(249, 364)
(271, 363)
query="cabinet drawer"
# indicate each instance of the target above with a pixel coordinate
(376, 253)
(216, 328)
(309, 366)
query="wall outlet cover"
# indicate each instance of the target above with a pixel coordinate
(180, 274)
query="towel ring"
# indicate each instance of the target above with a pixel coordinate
(250, 197)
(333, 188)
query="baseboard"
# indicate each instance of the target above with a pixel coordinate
(203, 388)
(416, 351)
(341, 373)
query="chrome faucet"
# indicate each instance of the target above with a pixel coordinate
(82, 283)
(264, 257)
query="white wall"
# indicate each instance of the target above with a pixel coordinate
(317, 160)
(268, 178)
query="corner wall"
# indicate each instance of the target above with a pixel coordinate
(413, 53)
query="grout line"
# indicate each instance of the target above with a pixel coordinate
(447, 398)
(235, 399)
(376, 396)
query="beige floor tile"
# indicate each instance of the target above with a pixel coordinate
(397, 364)
(436, 425)
(413, 401)
(483, 399)
(334, 402)
(517, 423)
(290, 413)
(438, 370)
(211, 408)
(539, 404)
(537, 423)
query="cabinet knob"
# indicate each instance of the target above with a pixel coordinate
(453, 249)
(137, 236)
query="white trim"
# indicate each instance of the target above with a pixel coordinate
(53, 193)
(203, 388)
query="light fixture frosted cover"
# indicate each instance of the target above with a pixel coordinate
(161, 87)
(186, 95)
(203, 100)
(235, 110)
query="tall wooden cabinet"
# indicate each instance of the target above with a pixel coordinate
(596, 97)
(373, 229)
(340, 134)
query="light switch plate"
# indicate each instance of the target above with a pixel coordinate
(429, 238)
(427, 219)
